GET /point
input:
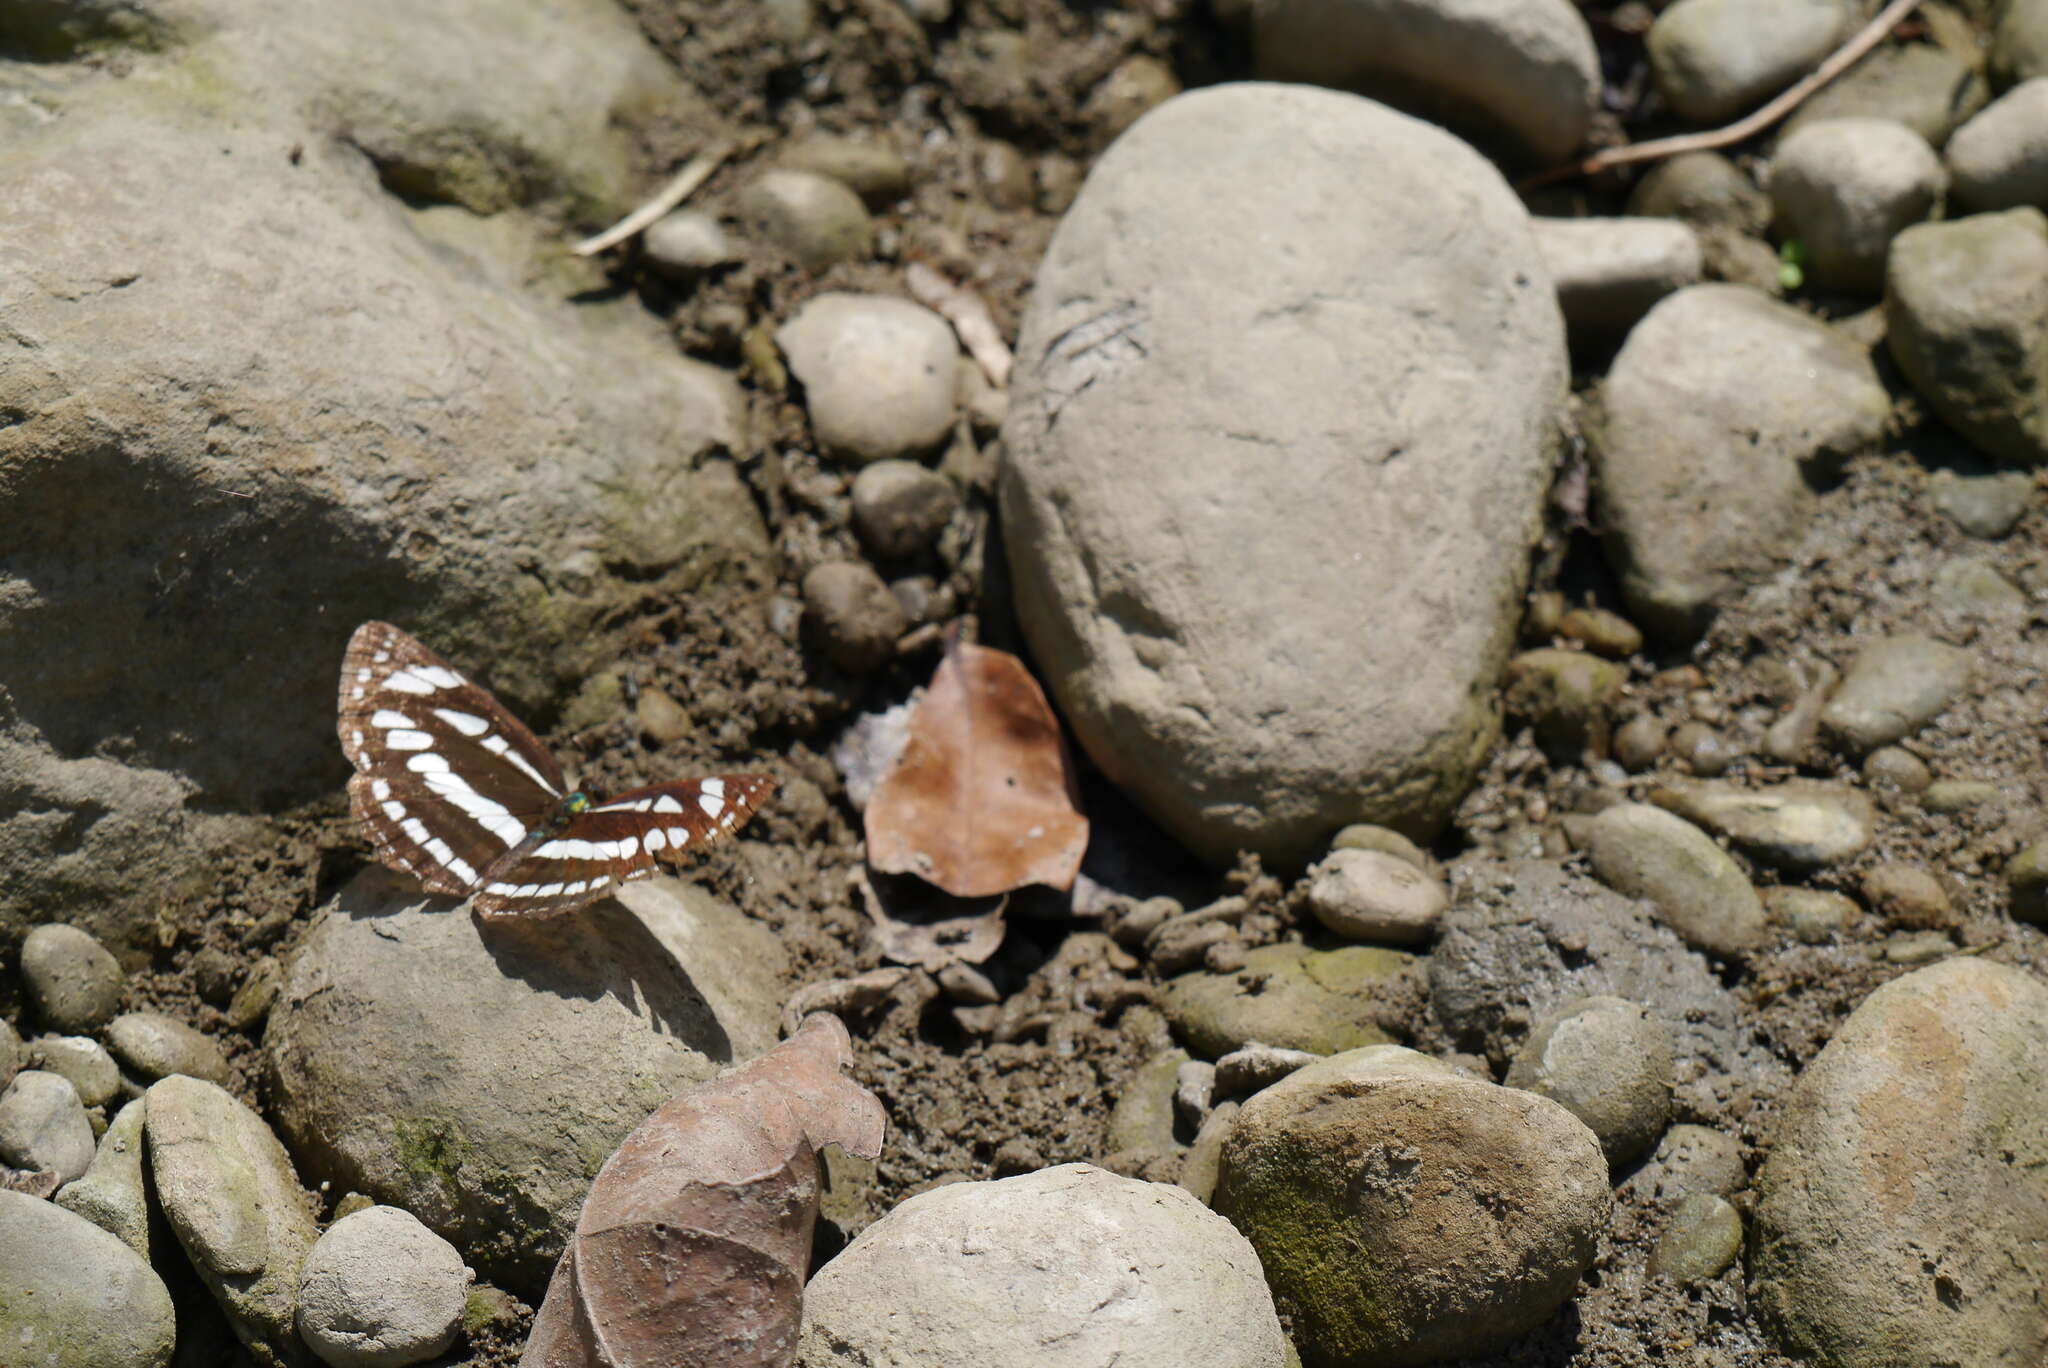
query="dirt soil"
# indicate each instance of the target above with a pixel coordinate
(1033, 1083)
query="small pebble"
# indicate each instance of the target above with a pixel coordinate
(1917, 947)
(1898, 768)
(1703, 749)
(855, 617)
(1609, 272)
(81, 1059)
(156, 1046)
(1958, 795)
(1365, 836)
(1812, 916)
(687, 243)
(1598, 630)
(1369, 895)
(1199, 1165)
(1004, 173)
(817, 220)
(1704, 189)
(874, 171)
(1985, 506)
(1895, 687)
(1696, 887)
(1704, 1237)
(1972, 587)
(1124, 95)
(1137, 922)
(964, 983)
(1253, 1066)
(10, 1052)
(73, 983)
(43, 1125)
(1846, 187)
(1638, 742)
(1194, 1088)
(1181, 944)
(1999, 159)
(2026, 883)
(1565, 694)
(251, 1002)
(880, 374)
(900, 507)
(1907, 895)
(1608, 1062)
(1715, 59)
(1698, 1159)
(380, 1290)
(1797, 824)
(112, 1194)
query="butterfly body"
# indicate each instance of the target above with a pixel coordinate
(454, 790)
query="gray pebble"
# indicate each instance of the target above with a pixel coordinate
(1254, 1066)
(880, 374)
(73, 1296)
(112, 1194)
(43, 1125)
(1321, 1001)
(2026, 883)
(1812, 916)
(1639, 741)
(1602, 632)
(1895, 767)
(1705, 751)
(1921, 85)
(1704, 189)
(1704, 1237)
(1958, 795)
(72, 982)
(1846, 187)
(1699, 1160)
(156, 1046)
(10, 1052)
(1607, 1062)
(964, 983)
(1609, 272)
(1369, 895)
(855, 617)
(1185, 941)
(1794, 825)
(1366, 836)
(1788, 739)
(1696, 887)
(1135, 925)
(872, 170)
(1194, 1088)
(1999, 159)
(1566, 694)
(1895, 687)
(1714, 59)
(686, 244)
(251, 1002)
(817, 220)
(1972, 587)
(81, 1059)
(1916, 947)
(1143, 1118)
(380, 1290)
(1205, 1153)
(1985, 506)
(1906, 895)
(900, 507)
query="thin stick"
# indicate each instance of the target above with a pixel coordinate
(969, 315)
(675, 192)
(1843, 58)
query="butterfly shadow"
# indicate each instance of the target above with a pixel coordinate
(600, 951)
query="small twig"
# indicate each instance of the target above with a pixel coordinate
(675, 192)
(1843, 58)
(969, 315)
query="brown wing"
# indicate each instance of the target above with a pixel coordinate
(619, 840)
(447, 780)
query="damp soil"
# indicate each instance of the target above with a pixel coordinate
(1032, 1082)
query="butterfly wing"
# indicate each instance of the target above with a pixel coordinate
(447, 779)
(622, 839)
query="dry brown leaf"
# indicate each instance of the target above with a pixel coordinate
(982, 799)
(693, 1243)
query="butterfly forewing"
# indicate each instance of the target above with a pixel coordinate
(455, 791)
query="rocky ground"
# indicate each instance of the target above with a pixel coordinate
(1559, 700)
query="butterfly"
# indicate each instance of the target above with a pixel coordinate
(455, 791)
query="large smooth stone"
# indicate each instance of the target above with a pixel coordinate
(1902, 1213)
(479, 1075)
(1720, 412)
(1068, 1267)
(1275, 458)
(73, 1296)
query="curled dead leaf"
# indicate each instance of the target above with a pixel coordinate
(982, 799)
(693, 1243)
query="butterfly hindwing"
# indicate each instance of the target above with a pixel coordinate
(454, 790)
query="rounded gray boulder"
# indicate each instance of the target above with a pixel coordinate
(73, 1296)
(1068, 1267)
(380, 1290)
(1237, 357)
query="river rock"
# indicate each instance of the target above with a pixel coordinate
(1068, 1267)
(686, 244)
(1796, 825)
(81, 1059)
(873, 170)
(2019, 42)
(1409, 1217)
(819, 221)
(1144, 1119)
(1902, 1212)
(1999, 159)
(228, 1190)
(1607, 1062)
(156, 1046)
(879, 374)
(460, 1107)
(900, 507)
(1610, 272)
(1696, 887)
(380, 1290)
(1985, 506)
(1704, 189)
(73, 983)
(1923, 86)
(1321, 1001)
(851, 615)
(1895, 687)
(1812, 916)
(1527, 937)
(1846, 187)
(10, 1052)
(1149, 511)
(1369, 895)
(1714, 59)
(1717, 409)
(111, 1194)
(73, 1296)
(43, 1125)
(387, 420)
(1513, 72)
(1703, 1237)
(1966, 318)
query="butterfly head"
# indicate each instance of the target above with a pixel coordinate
(575, 804)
